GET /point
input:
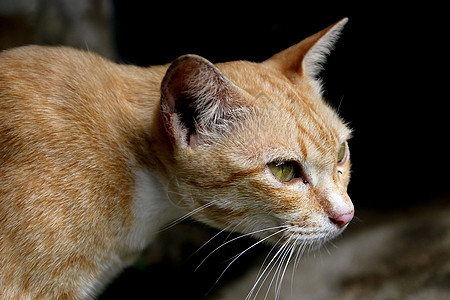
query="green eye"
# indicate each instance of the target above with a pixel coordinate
(342, 154)
(284, 171)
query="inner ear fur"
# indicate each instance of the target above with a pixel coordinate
(197, 100)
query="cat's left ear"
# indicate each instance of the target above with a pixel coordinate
(198, 103)
(307, 57)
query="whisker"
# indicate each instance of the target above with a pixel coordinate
(267, 256)
(281, 259)
(299, 251)
(239, 237)
(279, 269)
(339, 106)
(240, 254)
(209, 240)
(231, 231)
(310, 249)
(276, 257)
(260, 274)
(189, 214)
(298, 256)
(278, 263)
(291, 252)
(333, 244)
(217, 234)
(357, 219)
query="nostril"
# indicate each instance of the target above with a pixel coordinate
(339, 223)
(342, 220)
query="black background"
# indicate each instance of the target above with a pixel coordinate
(386, 75)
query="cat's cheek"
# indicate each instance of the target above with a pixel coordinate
(343, 174)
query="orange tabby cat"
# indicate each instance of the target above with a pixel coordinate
(96, 157)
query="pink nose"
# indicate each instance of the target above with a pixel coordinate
(342, 219)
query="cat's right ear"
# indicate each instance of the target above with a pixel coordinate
(198, 103)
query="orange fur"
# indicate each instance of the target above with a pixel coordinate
(86, 144)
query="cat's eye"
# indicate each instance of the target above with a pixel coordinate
(285, 170)
(342, 153)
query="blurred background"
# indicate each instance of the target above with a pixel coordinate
(388, 77)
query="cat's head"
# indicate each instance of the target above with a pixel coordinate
(255, 146)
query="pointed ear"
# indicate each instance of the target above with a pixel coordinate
(306, 57)
(197, 101)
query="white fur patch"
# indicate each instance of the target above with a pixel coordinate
(151, 208)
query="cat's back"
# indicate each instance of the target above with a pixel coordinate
(59, 108)
(55, 80)
(63, 97)
(39, 84)
(74, 90)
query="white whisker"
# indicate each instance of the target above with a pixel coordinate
(339, 106)
(277, 264)
(217, 234)
(333, 244)
(240, 254)
(189, 214)
(239, 237)
(232, 231)
(279, 267)
(276, 258)
(209, 240)
(298, 256)
(291, 252)
(268, 255)
(260, 274)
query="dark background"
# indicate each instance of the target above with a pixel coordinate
(386, 75)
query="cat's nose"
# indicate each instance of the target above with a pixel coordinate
(341, 219)
(340, 209)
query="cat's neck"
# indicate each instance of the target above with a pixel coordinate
(153, 208)
(140, 88)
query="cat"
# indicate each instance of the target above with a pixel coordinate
(97, 157)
